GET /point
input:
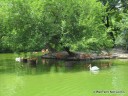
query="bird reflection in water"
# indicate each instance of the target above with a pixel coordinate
(100, 66)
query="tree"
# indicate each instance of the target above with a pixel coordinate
(3, 19)
(122, 39)
(21, 33)
(114, 10)
(75, 24)
(56, 24)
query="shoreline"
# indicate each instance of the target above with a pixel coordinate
(114, 54)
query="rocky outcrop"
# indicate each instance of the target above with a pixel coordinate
(115, 53)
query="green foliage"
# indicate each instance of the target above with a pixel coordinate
(75, 23)
(31, 25)
(21, 33)
(123, 36)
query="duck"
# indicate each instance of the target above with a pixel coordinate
(94, 68)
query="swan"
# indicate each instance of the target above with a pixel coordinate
(18, 59)
(94, 68)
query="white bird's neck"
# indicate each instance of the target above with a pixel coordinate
(90, 67)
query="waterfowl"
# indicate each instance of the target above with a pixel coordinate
(94, 68)
(18, 59)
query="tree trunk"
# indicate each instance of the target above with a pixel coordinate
(108, 25)
(67, 49)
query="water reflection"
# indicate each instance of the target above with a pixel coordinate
(7, 66)
(105, 65)
(95, 72)
(50, 65)
(118, 76)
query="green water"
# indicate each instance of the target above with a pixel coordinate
(62, 78)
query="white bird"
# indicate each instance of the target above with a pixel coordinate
(94, 68)
(18, 59)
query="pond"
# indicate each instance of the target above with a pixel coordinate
(62, 78)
